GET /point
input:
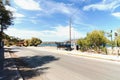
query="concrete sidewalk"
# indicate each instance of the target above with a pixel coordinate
(10, 71)
(98, 56)
(79, 53)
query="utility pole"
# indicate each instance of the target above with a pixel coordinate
(70, 24)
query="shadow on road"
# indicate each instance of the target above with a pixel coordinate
(32, 66)
(29, 67)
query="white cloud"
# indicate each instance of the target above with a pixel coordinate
(18, 20)
(24, 34)
(16, 15)
(28, 4)
(51, 7)
(59, 33)
(116, 14)
(87, 26)
(14, 11)
(79, 1)
(104, 5)
(10, 8)
(34, 21)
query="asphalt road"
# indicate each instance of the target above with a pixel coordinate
(53, 66)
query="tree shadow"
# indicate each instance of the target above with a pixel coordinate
(10, 50)
(37, 60)
(28, 67)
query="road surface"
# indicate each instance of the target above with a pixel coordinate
(53, 66)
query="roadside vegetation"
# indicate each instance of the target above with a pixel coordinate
(32, 42)
(98, 41)
(6, 18)
(10, 41)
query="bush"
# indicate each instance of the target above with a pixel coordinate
(94, 40)
(32, 42)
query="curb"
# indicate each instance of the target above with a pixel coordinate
(95, 57)
(79, 54)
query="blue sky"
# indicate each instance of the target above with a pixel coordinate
(49, 19)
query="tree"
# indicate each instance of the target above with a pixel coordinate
(117, 37)
(96, 39)
(26, 42)
(84, 45)
(5, 21)
(6, 17)
(35, 41)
